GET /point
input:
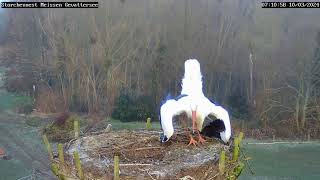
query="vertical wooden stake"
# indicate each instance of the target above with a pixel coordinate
(61, 177)
(273, 137)
(309, 136)
(222, 162)
(116, 168)
(61, 155)
(236, 149)
(46, 142)
(240, 137)
(148, 124)
(54, 169)
(76, 128)
(78, 164)
(237, 171)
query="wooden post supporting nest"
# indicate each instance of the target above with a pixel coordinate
(49, 149)
(76, 128)
(236, 149)
(237, 171)
(116, 168)
(240, 137)
(54, 169)
(54, 166)
(148, 124)
(78, 164)
(237, 141)
(61, 155)
(222, 162)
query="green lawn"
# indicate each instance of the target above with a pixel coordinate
(11, 100)
(117, 124)
(282, 161)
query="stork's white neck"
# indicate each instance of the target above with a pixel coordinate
(192, 80)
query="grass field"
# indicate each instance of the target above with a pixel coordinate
(117, 124)
(282, 161)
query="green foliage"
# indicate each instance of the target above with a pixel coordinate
(239, 106)
(133, 108)
(24, 104)
(34, 121)
(236, 171)
(64, 132)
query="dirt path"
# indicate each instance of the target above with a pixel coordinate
(23, 144)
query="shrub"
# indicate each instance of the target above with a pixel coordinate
(34, 121)
(18, 82)
(239, 106)
(132, 107)
(49, 101)
(62, 128)
(24, 104)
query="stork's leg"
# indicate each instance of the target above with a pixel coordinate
(194, 128)
(192, 141)
(201, 139)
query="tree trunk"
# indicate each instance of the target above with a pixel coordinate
(304, 108)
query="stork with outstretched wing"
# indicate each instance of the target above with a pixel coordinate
(197, 107)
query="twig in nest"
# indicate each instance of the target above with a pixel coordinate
(214, 176)
(187, 177)
(124, 145)
(145, 148)
(135, 164)
(69, 143)
(124, 156)
(149, 132)
(208, 171)
(150, 175)
(147, 171)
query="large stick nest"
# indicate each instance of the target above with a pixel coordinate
(142, 156)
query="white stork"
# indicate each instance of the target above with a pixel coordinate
(197, 107)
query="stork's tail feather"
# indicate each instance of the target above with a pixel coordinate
(192, 80)
(213, 129)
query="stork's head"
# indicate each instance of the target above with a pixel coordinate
(166, 115)
(165, 136)
(167, 128)
(225, 136)
(223, 117)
